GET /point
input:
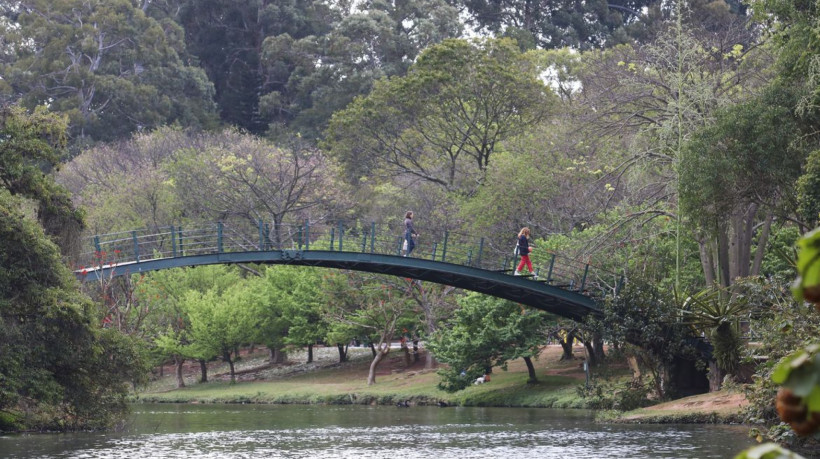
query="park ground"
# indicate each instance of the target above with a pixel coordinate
(400, 378)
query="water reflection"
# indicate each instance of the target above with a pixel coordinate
(253, 431)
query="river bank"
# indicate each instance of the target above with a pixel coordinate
(325, 381)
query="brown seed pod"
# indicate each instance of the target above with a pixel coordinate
(790, 407)
(806, 427)
(812, 294)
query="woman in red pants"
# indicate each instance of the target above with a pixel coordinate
(524, 250)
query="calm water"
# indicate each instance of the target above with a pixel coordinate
(307, 431)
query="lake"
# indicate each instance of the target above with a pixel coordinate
(356, 431)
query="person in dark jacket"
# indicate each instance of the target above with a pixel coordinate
(409, 233)
(524, 250)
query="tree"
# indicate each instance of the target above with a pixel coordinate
(744, 164)
(445, 119)
(297, 290)
(314, 76)
(107, 66)
(168, 325)
(646, 317)
(370, 304)
(243, 179)
(227, 38)
(126, 184)
(563, 23)
(486, 332)
(808, 191)
(220, 323)
(50, 343)
(30, 145)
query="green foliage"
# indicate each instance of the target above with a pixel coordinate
(808, 191)
(107, 66)
(485, 332)
(442, 122)
(30, 145)
(648, 318)
(57, 369)
(715, 313)
(747, 155)
(616, 395)
(807, 284)
(767, 451)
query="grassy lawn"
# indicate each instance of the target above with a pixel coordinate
(326, 381)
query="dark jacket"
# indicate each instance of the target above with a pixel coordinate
(408, 227)
(523, 245)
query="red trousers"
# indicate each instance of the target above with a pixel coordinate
(525, 260)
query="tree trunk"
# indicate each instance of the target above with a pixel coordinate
(373, 349)
(530, 370)
(566, 345)
(415, 350)
(408, 360)
(762, 242)
(275, 355)
(633, 365)
(598, 346)
(429, 361)
(723, 256)
(592, 359)
(342, 352)
(715, 376)
(203, 370)
(226, 356)
(706, 261)
(371, 376)
(310, 353)
(178, 361)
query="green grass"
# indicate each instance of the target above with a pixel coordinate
(347, 384)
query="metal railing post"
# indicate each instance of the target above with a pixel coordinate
(433, 255)
(136, 246)
(372, 237)
(173, 242)
(401, 245)
(341, 233)
(364, 240)
(97, 245)
(584, 279)
(480, 250)
(332, 237)
(552, 264)
(181, 246)
(444, 249)
(219, 237)
(260, 225)
(307, 234)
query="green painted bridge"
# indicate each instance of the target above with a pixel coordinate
(561, 286)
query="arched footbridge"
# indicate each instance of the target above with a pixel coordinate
(561, 286)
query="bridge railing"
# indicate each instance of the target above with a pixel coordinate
(375, 238)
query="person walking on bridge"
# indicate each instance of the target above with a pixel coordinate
(524, 250)
(409, 232)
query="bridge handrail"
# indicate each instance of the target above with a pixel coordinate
(449, 247)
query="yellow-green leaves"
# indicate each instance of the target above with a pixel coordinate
(807, 285)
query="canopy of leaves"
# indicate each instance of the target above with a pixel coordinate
(443, 121)
(107, 66)
(485, 332)
(53, 358)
